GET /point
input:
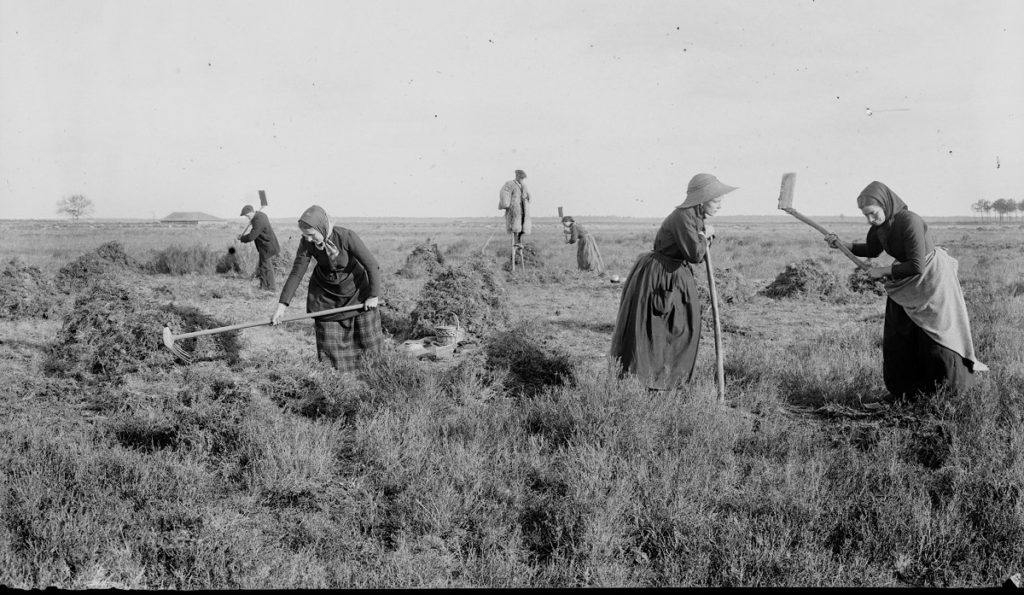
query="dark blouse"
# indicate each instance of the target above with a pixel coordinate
(352, 277)
(677, 238)
(906, 239)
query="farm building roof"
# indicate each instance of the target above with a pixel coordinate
(184, 216)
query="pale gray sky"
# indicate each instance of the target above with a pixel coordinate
(424, 108)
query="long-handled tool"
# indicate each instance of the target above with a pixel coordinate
(719, 357)
(786, 204)
(170, 338)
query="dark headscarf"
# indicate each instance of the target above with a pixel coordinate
(878, 194)
(317, 218)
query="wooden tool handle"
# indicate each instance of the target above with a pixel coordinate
(235, 327)
(842, 247)
(719, 359)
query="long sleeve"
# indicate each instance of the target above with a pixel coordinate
(258, 225)
(299, 267)
(910, 230)
(871, 248)
(574, 233)
(679, 236)
(358, 250)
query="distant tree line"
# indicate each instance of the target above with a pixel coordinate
(1002, 207)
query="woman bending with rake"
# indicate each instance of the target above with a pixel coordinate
(926, 341)
(658, 326)
(345, 273)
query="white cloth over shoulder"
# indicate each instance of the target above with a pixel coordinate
(935, 302)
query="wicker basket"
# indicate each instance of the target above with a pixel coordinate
(448, 334)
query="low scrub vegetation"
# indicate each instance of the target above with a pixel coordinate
(522, 462)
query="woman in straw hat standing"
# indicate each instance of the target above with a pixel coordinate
(345, 273)
(926, 340)
(658, 326)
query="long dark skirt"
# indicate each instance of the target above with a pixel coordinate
(588, 258)
(912, 363)
(658, 326)
(344, 342)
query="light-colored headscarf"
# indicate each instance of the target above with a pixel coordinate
(316, 217)
(878, 194)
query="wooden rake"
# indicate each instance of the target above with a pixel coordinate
(786, 204)
(185, 356)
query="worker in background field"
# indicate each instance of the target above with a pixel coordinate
(657, 330)
(588, 257)
(262, 234)
(926, 340)
(345, 273)
(514, 199)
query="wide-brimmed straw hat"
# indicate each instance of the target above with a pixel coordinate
(702, 188)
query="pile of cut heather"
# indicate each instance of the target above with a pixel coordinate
(425, 259)
(807, 278)
(731, 285)
(531, 258)
(470, 291)
(860, 282)
(117, 328)
(25, 292)
(109, 260)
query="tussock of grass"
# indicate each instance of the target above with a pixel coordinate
(232, 261)
(183, 260)
(531, 365)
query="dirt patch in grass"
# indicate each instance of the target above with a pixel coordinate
(425, 259)
(807, 278)
(470, 291)
(25, 292)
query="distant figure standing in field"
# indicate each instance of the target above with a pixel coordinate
(514, 199)
(657, 330)
(926, 341)
(588, 257)
(262, 234)
(345, 273)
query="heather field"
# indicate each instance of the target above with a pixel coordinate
(518, 460)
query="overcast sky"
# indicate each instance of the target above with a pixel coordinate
(424, 108)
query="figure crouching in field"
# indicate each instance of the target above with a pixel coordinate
(658, 325)
(926, 341)
(345, 273)
(588, 257)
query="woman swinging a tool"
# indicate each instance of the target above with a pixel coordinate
(926, 341)
(658, 326)
(345, 273)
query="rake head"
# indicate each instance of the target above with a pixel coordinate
(175, 349)
(786, 192)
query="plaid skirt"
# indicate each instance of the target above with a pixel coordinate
(344, 342)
